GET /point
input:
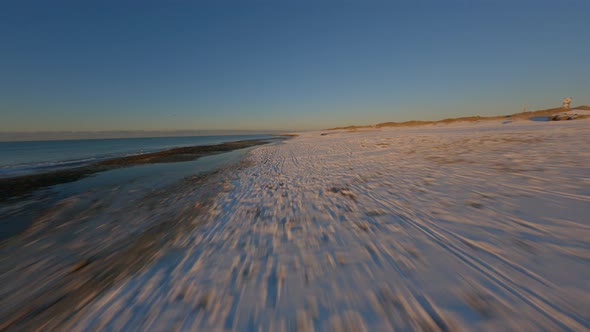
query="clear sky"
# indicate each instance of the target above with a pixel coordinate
(180, 64)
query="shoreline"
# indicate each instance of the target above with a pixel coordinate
(15, 188)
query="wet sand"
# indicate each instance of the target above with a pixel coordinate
(54, 295)
(69, 256)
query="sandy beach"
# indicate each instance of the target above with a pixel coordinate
(295, 166)
(466, 226)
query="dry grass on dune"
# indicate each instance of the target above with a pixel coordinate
(519, 116)
(351, 128)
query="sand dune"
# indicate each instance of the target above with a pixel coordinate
(515, 116)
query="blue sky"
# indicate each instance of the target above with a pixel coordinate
(169, 65)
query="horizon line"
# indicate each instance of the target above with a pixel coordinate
(19, 136)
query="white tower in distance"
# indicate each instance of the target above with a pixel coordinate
(566, 102)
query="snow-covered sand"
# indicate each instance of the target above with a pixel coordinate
(481, 226)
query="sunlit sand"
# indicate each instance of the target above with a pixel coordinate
(477, 226)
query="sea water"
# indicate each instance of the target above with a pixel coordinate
(28, 157)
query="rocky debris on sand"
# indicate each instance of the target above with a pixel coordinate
(563, 116)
